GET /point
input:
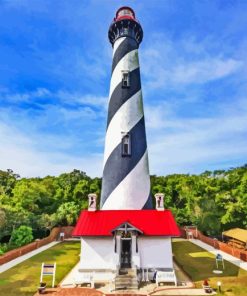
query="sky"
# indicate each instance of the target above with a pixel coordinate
(55, 66)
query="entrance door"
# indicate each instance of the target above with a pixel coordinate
(126, 253)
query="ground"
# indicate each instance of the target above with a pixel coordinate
(23, 279)
(199, 265)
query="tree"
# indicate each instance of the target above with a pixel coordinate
(47, 221)
(21, 236)
(7, 181)
(214, 201)
(67, 213)
(2, 218)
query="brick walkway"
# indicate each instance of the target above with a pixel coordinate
(71, 292)
(81, 292)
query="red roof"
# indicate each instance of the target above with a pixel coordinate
(103, 222)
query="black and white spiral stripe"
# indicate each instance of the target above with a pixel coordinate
(126, 180)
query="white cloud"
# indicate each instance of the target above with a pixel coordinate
(175, 144)
(6, 95)
(87, 99)
(70, 98)
(182, 145)
(20, 153)
(204, 71)
(175, 64)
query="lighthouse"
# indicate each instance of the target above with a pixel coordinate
(126, 180)
(125, 240)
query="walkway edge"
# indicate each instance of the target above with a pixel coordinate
(14, 262)
(238, 262)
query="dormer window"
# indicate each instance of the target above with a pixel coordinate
(125, 79)
(126, 144)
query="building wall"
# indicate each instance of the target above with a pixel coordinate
(155, 252)
(97, 253)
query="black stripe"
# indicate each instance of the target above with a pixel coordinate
(120, 95)
(118, 167)
(149, 203)
(126, 46)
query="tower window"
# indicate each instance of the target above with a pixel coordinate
(126, 79)
(126, 144)
(126, 31)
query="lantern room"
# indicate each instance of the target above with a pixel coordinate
(125, 13)
(125, 25)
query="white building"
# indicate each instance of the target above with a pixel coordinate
(118, 240)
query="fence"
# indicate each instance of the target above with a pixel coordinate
(240, 254)
(13, 254)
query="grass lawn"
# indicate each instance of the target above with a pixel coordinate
(199, 265)
(23, 279)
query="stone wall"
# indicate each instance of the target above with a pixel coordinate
(54, 235)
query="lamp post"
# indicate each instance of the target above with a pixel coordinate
(215, 239)
(219, 286)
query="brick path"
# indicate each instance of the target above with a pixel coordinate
(71, 292)
(81, 292)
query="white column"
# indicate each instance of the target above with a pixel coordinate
(135, 255)
(118, 251)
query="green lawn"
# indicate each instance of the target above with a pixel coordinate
(199, 265)
(23, 279)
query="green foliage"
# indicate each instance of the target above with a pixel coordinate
(214, 201)
(67, 213)
(3, 248)
(43, 203)
(7, 182)
(2, 218)
(21, 236)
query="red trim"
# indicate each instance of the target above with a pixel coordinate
(125, 17)
(125, 7)
(150, 222)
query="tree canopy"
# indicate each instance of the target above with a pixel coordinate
(213, 201)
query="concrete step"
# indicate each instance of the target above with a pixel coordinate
(126, 281)
(126, 287)
(128, 271)
(124, 276)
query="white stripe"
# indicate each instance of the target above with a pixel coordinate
(124, 120)
(129, 62)
(132, 193)
(117, 43)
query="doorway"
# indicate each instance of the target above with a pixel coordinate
(126, 253)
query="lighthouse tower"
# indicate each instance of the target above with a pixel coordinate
(126, 180)
(126, 237)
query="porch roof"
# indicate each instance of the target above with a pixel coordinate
(104, 222)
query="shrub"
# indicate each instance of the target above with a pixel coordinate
(3, 248)
(21, 236)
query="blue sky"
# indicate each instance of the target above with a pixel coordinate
(55, 63)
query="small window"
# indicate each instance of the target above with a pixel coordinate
(126, 31)
(126, 79)
(126, 144)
